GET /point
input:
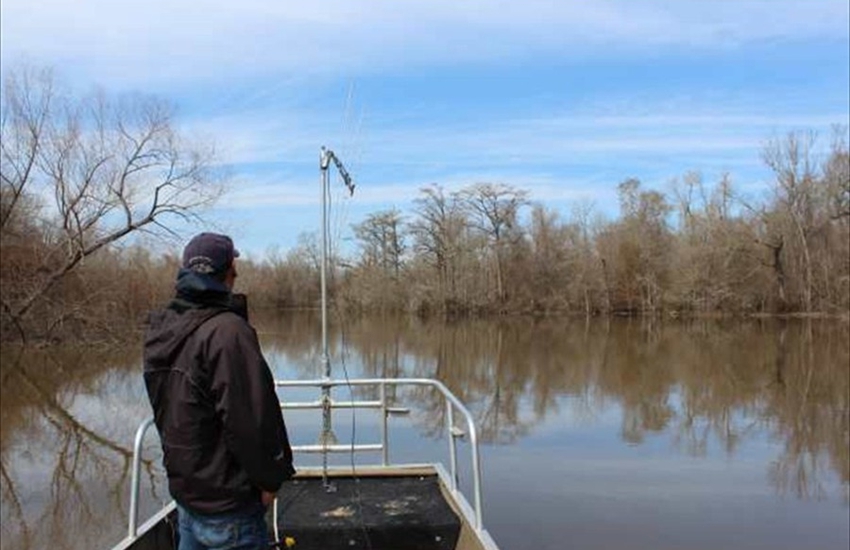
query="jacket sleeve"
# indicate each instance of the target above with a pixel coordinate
(247, 405)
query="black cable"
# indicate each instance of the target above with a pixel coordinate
(356, 480)
(359, 496)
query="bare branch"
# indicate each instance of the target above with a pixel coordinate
(114, 168)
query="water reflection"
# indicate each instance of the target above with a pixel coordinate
(65, 455)
(706, 387)
(701, 382)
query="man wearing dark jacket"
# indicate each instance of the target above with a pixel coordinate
(225, 446)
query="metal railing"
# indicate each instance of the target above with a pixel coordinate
(133, 518)
(452, 433)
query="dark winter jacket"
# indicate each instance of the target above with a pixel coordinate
(214, 401)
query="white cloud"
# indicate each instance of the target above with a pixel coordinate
(253, 192)
(717, 131)
(560, 159)
(260, 193)
(158, 43)
(254, 75)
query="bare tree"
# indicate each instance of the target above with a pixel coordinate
(837, 177)
(374, 280)
(548, 267)
(382, 240)
(493, 211)
(79, 174)
(805, 224)
(795, 172)
(635, 251)
(714, 260)
(437, 232)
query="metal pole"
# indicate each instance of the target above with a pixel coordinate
(450, 421)
(324, 159)
(324, 167)
(385, 455)
(327, 438)
(476, 471)
(133, 518)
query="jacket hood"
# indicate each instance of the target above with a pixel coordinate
(199, 290)
(168, 330)
(198, 297)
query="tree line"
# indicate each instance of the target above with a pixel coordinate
(701, 248)
(87, 181)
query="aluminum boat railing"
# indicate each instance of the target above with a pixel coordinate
(450, 402)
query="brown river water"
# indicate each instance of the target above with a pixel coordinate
(598, 434)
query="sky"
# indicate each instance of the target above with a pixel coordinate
(564, 99)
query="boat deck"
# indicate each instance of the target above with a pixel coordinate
(396, 506)
(388, 512)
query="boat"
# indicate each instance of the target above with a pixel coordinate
(379, 505)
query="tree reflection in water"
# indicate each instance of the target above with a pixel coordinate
(809, 410)
(707, 387)
(704, 382)
(65, 479)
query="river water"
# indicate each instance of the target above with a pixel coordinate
(600, 434)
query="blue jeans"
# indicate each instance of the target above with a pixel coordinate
(240, 530)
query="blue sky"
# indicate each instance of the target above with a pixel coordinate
(563, 98)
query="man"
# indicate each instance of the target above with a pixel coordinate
(226, 451)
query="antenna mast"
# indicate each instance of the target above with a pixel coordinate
(327, 436)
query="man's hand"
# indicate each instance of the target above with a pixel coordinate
(267, 498)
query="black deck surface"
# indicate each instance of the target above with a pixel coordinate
(377, 513)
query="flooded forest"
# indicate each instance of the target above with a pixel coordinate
(646, 368)
(83, 215)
